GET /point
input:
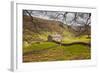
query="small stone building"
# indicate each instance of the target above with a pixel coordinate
(56, 37)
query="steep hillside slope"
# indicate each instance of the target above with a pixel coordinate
(39, 29)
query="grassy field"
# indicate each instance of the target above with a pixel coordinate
(49, 51)
(38, 46)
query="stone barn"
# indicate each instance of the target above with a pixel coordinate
(56, 37)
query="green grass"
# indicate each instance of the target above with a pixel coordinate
(44, 51)
(77, 52)
(38, 46)
(75, 39)
(73, 52)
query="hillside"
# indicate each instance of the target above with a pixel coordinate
(39, 29)
(42, 25)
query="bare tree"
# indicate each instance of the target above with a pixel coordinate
(83, 27)
(62, 16)
(29, 13)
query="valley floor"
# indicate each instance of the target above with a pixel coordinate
(50, 51)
